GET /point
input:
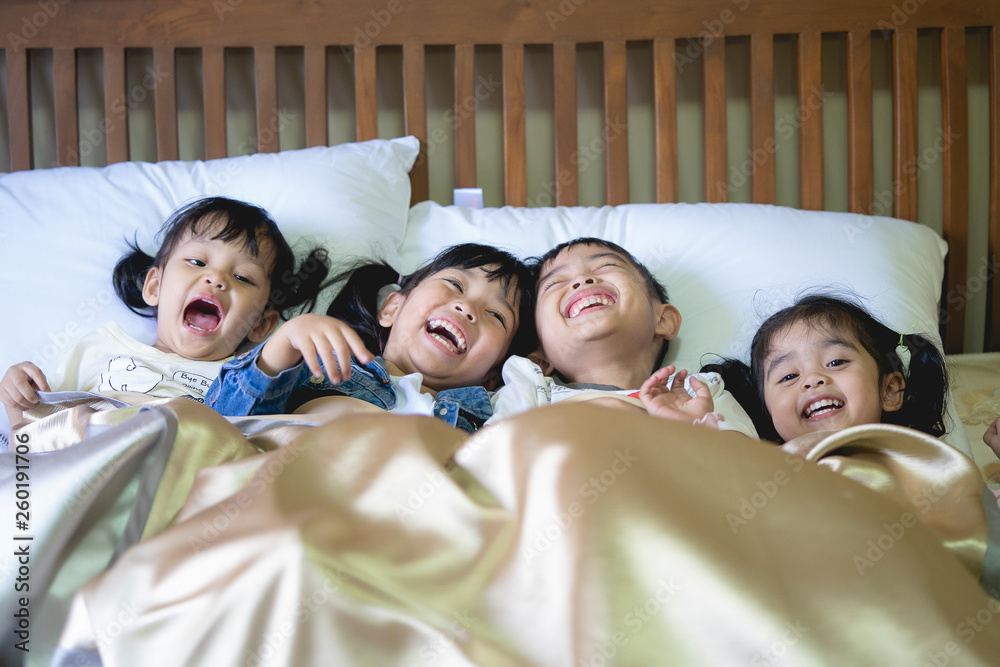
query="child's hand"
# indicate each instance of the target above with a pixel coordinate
(992, 436)
(675, 403)
(314, 338)
(19, 389)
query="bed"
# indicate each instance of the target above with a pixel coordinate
(745, 151)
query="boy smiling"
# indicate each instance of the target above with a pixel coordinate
(603, 324)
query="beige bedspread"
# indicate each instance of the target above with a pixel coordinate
(570, 535)
(975, 384)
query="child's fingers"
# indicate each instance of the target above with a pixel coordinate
(356, 346)
(36, 375)
(330, 358)
(311, 360)
(701, 389)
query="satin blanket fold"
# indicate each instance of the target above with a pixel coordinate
(569, 535)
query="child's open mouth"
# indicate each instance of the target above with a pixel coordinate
(203, 315)
(448, 335)
(589, 301)
(822, 408)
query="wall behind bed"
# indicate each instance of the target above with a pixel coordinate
(483, 107)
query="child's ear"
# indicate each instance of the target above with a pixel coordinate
(668, 323)
(893, 390)
(538, 357)
(387, 315)
(151, 286)
(265, 326)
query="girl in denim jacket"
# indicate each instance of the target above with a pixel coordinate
(442, 334)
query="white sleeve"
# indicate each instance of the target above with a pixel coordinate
(524, 387)
(76, 369)
(735, 417)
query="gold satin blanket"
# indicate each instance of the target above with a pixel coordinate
(570, 535)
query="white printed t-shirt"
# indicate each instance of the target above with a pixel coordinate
(526, 386)
(109, 360)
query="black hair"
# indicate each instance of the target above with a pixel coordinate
(926, 377)
(357, 303)
(292, 290)
(654, 287)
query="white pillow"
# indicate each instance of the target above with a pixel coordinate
(726, 267)
(63, 230)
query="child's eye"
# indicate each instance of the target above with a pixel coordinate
(195, 262)
(837, 362)
(549, 285)
(244, 279)
(500, 317)
(456, 284)
(788, 378)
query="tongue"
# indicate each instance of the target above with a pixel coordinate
(201, 317)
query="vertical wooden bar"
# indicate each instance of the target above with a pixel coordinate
(665, 102)
(762, 116)
(716, 146)
(904, 118)
(266, 83)
(615, 137)
(67, 129)
(213, 72)
(993, 311)
(564, 108)
(515, 141)
(365, 93)
(811, 97)
(19, 109)
(115, 107)
(314, 61)
(465, 116)
(955, 154)
(860, 155)
(415, 109)
(165, 102)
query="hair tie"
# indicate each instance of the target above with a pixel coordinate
(384, 293)
(903, 352)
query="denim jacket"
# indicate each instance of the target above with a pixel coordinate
(243, 389)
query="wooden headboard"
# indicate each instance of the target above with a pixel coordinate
(677, 32)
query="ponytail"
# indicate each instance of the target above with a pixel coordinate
(129, 276)
(926, 378)
(357, 303)
(739, 382)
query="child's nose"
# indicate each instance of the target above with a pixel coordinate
(216, 281)
(466, 311)
(813, 381)
(580, 282)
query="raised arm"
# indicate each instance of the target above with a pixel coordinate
(670, 399)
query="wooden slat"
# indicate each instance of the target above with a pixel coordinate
(18, 109)
(615, 139)
(314, 58)
(415, 111)
(860, 151)
(716, 149)
(365, 93)
(810, 118)
(165, 94)
(955, 154)
(993, 311)
(67, 129)
(564, 108)
(213, 66)
(665, 101)
(762, 117)
(266, 84)
(115, 107)
(465, 116)
(515, 141)
(904, 112)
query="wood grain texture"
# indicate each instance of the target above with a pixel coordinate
(314, 62)
(904, 124)
(115, 107)
(415, 116)
(19, 109)
(762, 117)
(716, 134)
(515, 141)
(564, 120)
(365, 93)
(809, 117)
(213, 67)
(67, 129)
(860, 147)
(955, 157)
(665, 101)
(165, 102)
(266, 88)
(993, 307)
(615, 135)
(465, 116)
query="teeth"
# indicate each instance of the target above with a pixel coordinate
(453, 330)
(589, 301)
(813, 408)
